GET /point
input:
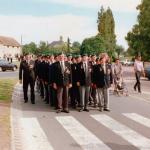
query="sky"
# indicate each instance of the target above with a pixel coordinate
(47, 20)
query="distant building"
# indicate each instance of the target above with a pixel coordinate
(9, 47)
(57, 44)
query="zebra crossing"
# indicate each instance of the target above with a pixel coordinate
(34, 137)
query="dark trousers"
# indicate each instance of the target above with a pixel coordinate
(62, 97)
(41, 89)
(138, 83)
(53, 97)
(74, 96)
(93, 93)
(46, 93)
(26, 83)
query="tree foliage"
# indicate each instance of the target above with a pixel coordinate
(93, 45)
(139, 38)
(119, 50)
(106, 28)
(29, 48)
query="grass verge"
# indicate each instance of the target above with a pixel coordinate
(6, 89)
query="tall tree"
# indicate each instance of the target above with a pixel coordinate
(106, 28)
(139, 38)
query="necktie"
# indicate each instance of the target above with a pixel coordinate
(86, 70)
(62, 67)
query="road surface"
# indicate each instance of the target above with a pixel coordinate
(126, 127)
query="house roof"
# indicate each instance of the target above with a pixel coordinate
(8, 41)
(55, 43)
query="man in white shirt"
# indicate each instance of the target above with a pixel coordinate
(139, 70)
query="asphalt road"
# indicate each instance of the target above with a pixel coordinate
(126, 127)
(9, 74)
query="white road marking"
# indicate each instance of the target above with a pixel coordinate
(81, 135)
(140, 98)
(138, 118)
(34, 137)
(125, 132)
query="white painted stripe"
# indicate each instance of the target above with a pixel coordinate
(138, 118)
(81, 135)
(140, 98)
(125, 132)
(34, 137)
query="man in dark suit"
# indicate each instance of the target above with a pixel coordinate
(52, 91)
(27, 69)
(84, 82)
(102, 81)
(40, 74)
(62, 82)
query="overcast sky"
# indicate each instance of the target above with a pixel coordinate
(46, 20)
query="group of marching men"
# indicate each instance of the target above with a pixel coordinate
(66, 81)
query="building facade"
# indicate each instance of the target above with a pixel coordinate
(9, 47)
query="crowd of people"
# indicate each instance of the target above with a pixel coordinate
(65, 81)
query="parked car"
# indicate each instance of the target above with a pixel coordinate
(5, 65)
(147, 69)
(127, 62)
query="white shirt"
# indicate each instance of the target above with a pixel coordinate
(138, 66)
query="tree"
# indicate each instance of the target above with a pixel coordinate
(106, 28)
(76, 47)
(30, 48)
(119, 50)
(139, 37)
(93, 45)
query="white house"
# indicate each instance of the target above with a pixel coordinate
(9, 47)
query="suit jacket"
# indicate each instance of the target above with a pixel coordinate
(40, 71)
(51, 74)
(81, 74)
(74, 74)
(28, 70)
(101, 79)
(46, 71)
(93, 65)
(59, 77)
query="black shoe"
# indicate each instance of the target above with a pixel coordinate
(80, 110)
(58, 111)
(101, 109)
(25, 101)
(106, 109)
(90, 103)
(134, 88)
(85, 109)
(33, 102)
(65, 111)
(95, 105)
